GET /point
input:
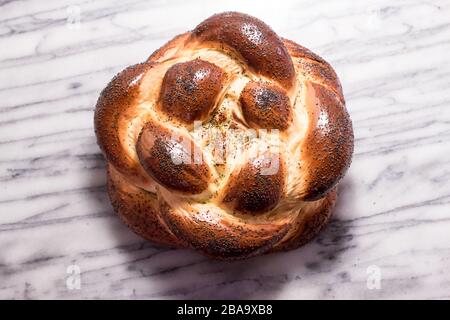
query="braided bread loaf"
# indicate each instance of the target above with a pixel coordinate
(233, 74)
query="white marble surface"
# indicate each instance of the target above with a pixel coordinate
(394, 209)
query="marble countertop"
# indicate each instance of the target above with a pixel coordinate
(390, 234)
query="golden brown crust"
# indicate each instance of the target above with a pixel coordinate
(190, 90)
(143, 122)
(170, 160)
(172, 45)
(256, 42)
(139, 210)
(327, 148)
(118, 98)
(313, 67)
(266, 106)
(308, 224)
(327, 145)
(218, 236)
(254, 191)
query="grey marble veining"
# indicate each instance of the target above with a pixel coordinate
(393, 212)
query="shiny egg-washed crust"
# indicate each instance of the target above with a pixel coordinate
(187, 97)
(138, 209)
(154, 149)
(231, 67)
(265, 105)
(259, 46)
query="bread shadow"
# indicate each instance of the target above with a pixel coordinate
(153, 272)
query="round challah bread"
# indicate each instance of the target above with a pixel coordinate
(277, 109)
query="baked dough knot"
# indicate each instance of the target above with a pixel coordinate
(228, 139)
